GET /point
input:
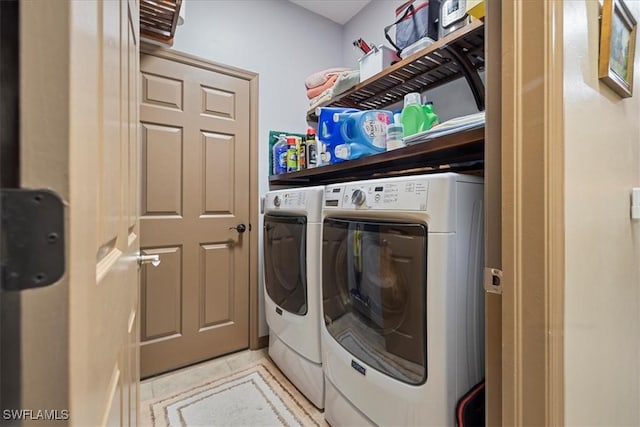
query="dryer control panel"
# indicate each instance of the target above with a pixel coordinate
(406, 195)
(287, 200)
(306, 201)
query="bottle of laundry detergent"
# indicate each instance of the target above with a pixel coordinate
(364, 133)
(280, 155)
(329, 136)
(415, 116)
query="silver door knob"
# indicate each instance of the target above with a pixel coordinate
(149, 259)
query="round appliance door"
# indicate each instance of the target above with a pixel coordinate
(374, 278)
(285, 261)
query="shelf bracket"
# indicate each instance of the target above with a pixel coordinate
(470, 73)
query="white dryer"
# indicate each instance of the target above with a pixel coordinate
(402, 298)
(292, 243)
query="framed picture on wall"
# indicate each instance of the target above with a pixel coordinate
(617, 47)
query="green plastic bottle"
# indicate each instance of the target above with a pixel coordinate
(416, 117)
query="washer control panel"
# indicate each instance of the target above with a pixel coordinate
(409, 195)
(333, 196)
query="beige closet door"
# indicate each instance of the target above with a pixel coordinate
(195, 122)
(79, 69)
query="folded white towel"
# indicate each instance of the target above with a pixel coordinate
(346, 80)
(323, 97)
(319, 78)
(457, 124)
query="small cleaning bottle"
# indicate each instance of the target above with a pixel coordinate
(292, 154)
(312, 148)
(302, 152)
(395, 132)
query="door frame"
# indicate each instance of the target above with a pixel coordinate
(43, 364)
(493, 206)
(184, 58)
(532, 213)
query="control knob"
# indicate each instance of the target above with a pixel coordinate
(358, 197)
(276, 201)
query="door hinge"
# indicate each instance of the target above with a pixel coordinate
(31, 238)
(493, 280)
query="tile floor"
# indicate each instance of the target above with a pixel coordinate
(167, 384)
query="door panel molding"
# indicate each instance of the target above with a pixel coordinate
(162, 91)
(216, 304)
(532, 214)
(167, 285)
(162, 148)
(217, 102)
(219, 153)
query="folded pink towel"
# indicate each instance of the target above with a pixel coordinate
(319, 78)
(313, 92)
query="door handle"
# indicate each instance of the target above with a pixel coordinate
(240, 228)
(149, 259)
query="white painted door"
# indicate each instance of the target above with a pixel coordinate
(79, 103)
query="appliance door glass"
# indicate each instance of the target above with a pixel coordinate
(285, 261)
(374, 278)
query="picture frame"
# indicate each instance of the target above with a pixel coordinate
(617, 47)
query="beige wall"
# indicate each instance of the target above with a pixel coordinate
(602, 318)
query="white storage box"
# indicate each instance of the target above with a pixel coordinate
(375, 61)
(413, 48)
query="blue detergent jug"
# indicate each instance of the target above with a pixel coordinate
(328, 134)
(364, 133)
(280, 155)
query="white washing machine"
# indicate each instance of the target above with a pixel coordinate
(402, 298)
(292, 243)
